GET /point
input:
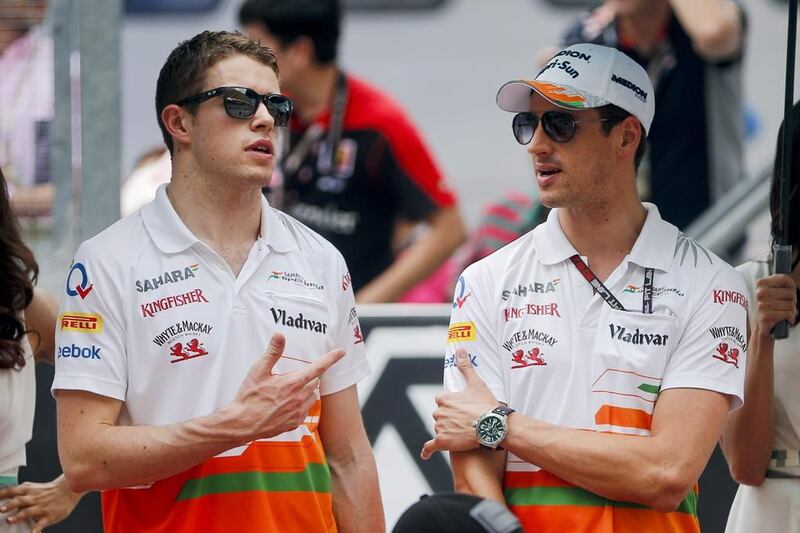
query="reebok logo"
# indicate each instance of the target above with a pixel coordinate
(75, 351)
(621, 333)
(638, 91)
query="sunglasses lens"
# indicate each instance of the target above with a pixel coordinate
(280, 107)
(240, 104)
(523, 126)
(558, 125)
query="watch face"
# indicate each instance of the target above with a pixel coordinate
(491, 430)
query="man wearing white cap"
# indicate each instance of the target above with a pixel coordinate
(603, 350)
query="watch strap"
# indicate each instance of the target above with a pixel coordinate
(502, 410)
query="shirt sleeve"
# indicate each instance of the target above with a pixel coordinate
(473, 328)
(353, 367)
(90, 334)
(712, 351)
(416, 181)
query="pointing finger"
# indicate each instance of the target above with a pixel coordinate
(318, 367)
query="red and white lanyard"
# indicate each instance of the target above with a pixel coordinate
(605, 294)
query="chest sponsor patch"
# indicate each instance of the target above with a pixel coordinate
(295, 278)
(722, 296)
(510, 313)
(81, 322)
(462, 332)
(529, 336)
(621, 333)
(178, 300)
(727, 354)
(166, 278)
(529, 289)
(298, 321)
(729, 333)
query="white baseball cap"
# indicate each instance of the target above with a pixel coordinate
(585, 76)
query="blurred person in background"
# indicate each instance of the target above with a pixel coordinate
(173, 408)
(27, 325)
(762, 439)
(353, 167)
(692, 50)
(26, 105)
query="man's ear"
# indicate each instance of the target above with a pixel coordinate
(631, 135)
(175, 121)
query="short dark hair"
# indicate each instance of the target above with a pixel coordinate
(794, 187)
(614, 115)
(288, 20)
(184, 72)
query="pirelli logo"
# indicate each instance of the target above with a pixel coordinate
(462, 332)
(81, 322)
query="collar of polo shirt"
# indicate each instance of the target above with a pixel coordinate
(171, 235)
(654, 248)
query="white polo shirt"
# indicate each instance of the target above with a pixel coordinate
(554, 350)
(155, 318)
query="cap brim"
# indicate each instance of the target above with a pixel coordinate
(515, 96)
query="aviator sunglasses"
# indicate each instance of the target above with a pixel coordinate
(242, 103)
(558, 125)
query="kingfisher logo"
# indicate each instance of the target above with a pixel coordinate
(178, 300)
(722, 296)
(78, 284)
(172, 276)
(621, 333)
(299, 321)
(727, 354)
(511, 313)
(461, 298)
(79, 352)
(462, 332)
(81, 322)
(640, 93)
(531, 288)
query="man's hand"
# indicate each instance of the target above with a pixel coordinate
(776, 299)
(43, 503)
(269, 404)
(458, 410)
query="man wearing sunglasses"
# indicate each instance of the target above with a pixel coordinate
(598, 356)
(353, 167)
(207, 351)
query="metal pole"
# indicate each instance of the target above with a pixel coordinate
(61, 154)
(782, 251)
(99, 25)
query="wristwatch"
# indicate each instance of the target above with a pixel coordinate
(491, 428)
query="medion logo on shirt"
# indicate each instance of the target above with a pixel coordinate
(163, 304)
(636, 337)
(172, 276)
(298, 321)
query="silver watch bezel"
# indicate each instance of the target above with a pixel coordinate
(503, 422)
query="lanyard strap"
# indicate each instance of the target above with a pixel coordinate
(605, 294)
(296, 155)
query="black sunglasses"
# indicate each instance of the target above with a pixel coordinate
(558, 125)
(242, 103)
